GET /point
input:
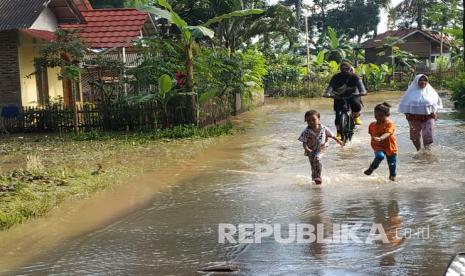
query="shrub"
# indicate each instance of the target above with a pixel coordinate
(458, 91)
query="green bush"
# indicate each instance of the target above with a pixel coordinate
(158, 57)
(284, 77)
(219, 75)
(458, 91)
(373, 75)
(253, 64)
(177, 132)
(282, 80)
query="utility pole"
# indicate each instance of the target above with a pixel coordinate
(308, 46)
(463, 35)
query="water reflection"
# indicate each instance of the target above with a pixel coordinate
(389, 217)
(317, 217)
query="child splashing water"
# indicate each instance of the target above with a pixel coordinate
(383, 140)
(314, 140)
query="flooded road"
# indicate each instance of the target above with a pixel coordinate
(261, 176)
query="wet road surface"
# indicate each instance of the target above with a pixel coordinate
(261, 176)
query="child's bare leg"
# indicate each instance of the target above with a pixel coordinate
(417, 144)
(316, 169)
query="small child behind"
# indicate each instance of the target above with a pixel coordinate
(383, 140)
(314, 139)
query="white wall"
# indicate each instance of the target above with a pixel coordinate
(46, 21)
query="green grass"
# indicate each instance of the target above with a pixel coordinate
(45, 170)
(25, 194)
(177, 132)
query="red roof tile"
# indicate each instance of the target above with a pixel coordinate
(45, 35)
(379, 40)
(83, 5)
(107, 28)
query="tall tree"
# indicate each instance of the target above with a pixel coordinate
(392, 19)
(236, 31)
(438, 17)
(318, 11)
(382, 5)
(100, 4)
(297, 6)
(413, 11)
(355, 18)
(135, 3)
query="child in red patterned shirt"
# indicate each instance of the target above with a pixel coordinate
(314, 139)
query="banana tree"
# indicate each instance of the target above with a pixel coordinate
(377, 75)
(337, 47)
(318, 61)
(164, 95)
(404, 59)
(188, 36)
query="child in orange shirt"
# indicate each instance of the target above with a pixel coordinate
(383, 140)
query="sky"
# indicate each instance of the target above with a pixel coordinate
(382, 26)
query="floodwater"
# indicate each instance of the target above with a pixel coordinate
(261, 176)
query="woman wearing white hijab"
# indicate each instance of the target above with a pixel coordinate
(420, 104)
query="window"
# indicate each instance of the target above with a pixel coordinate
(42, 85)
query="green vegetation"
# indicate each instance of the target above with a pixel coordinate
(205, 55)
(177, 132)
(51, 169)
(458, 91)
(213, 43)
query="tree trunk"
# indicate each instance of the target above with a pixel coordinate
(442, 41)
(307, 46)
(191, 103)
(420, 17)
(393, 60)
(323, 21)
(298, 8)
(74, 103)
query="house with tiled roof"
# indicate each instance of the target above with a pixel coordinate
(424, 44)
(110, 32)
(25, 29)
(110, 28)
